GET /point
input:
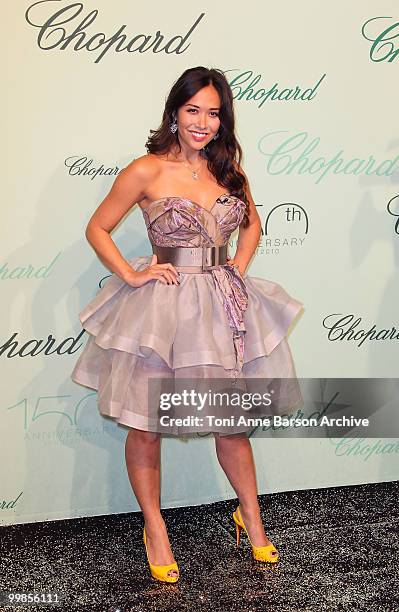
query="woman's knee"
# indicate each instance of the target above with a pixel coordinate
(230, 439)
(143, 437)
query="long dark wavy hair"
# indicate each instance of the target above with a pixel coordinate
(220, 153)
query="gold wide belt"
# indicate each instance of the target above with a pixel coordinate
(192, 259)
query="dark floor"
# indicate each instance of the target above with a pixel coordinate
(339, 550)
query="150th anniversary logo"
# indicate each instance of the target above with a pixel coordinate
(286, 227)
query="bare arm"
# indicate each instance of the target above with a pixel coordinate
(248, 238)
(128, 188)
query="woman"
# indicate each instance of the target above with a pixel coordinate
(172, 313)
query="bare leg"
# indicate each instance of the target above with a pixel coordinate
(143, 454)
(235, 456)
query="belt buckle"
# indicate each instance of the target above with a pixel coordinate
(210, 257)
(204, 258)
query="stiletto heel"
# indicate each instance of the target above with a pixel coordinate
(238, 531)
(160, 572)
(268, 553)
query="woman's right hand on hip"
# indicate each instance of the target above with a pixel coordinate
(166, 273)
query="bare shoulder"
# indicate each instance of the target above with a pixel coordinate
(143, 169)
(130, 187)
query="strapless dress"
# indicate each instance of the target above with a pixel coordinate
(214, 325)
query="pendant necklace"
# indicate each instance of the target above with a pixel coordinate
(194, 173)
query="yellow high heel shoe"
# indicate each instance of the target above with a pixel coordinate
(160, 572)
(260, 553)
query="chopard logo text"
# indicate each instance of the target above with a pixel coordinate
(68, 28)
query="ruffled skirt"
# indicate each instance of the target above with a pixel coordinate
(168, 332)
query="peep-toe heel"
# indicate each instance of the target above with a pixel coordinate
(160, 572)
(268, 553)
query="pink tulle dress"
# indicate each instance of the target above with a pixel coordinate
(214, 325)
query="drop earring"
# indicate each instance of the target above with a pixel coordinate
(216, 136)
(173, 127)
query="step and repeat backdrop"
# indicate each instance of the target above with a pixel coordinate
(316, 103)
